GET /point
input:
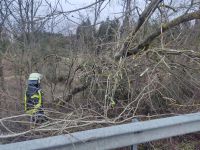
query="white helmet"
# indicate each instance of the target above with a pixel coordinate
(35, 76)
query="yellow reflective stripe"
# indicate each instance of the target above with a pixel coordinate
(35, 96)
(25, 102)
(113, 103)
(40, 97)
(36, 107)
(34, 110)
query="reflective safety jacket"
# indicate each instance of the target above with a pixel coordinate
(33, 100)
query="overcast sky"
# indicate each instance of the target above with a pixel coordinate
(113, 9)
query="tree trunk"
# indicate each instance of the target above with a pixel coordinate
(2, 75)
(142, 18)
(1, 62)
(126, 22)
(147, 41)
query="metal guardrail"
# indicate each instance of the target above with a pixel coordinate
(115, 136)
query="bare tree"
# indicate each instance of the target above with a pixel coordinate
(127, 18)
(4, 14)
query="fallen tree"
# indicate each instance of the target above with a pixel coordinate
(143, 45)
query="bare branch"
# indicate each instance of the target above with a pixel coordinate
(147, 41)
(142, 18)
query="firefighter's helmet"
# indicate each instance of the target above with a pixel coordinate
(35, 77)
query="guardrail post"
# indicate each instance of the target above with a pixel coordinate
(134, 147)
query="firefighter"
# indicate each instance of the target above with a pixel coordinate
(33, 98)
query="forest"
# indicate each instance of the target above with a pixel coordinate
(99, 68)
